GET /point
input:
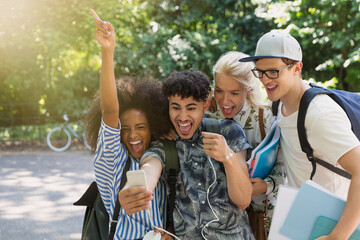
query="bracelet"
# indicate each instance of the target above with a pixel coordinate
(269, 182)
(273, 183)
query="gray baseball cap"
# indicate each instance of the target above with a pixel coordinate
(276, 44)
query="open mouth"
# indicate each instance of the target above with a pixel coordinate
(184, 128)
(271, 88)
(227, 110)
(136, 146)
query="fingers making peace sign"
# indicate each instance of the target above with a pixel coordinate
(104, 33)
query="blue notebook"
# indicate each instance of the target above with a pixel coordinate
(310, 203)
(324, 226)
(263, 157)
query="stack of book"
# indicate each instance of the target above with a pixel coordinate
(306, 213)
(263, 157)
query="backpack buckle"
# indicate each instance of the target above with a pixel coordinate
(310, 157)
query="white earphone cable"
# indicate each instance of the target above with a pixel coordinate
(207, 197)
(148, 212)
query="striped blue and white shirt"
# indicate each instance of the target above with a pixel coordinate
(109, 163)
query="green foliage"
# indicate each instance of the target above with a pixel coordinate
(46, 44)
(329, 36)
(32, 133)
(23, 133)
(193, 34)
(50, 62)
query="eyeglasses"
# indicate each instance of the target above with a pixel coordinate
(272, 74)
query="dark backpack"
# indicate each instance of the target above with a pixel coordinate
(172, 166)
(349, 102)
(96, 219)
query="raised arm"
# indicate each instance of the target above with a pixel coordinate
(105, 35)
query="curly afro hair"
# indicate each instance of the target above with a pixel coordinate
(188, 83)
(125, 90)
(145, 96)
(149, 99)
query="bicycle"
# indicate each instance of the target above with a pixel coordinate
(59, 138)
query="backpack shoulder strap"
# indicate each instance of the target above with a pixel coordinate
(275, 107)
(172, 168)
(171, 155)
(304, 105)
(212, 125)
(117, 203)
(309, 94)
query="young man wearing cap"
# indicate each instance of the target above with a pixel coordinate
(278, 59)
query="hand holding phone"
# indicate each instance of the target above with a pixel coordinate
(136, 178)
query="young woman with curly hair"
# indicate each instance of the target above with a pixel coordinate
(122, 122)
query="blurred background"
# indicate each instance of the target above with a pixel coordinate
(50, 62)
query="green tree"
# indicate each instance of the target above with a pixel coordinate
(50, 62)
(193, 34)
(329, 36)
(46, 63)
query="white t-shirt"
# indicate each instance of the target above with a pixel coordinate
(329, 133)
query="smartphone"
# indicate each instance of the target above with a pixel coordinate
(136, 178)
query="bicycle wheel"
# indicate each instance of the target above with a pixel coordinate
(85, 142)
(58, 139)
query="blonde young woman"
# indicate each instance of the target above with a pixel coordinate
(238, 97)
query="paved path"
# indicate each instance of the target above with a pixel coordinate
(37, 190)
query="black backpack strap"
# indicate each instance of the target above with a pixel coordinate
(309, 94)
(117, 203)
(275, 107)
(211, 125)
(172, 168)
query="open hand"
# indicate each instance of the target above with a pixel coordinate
(104, 33)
